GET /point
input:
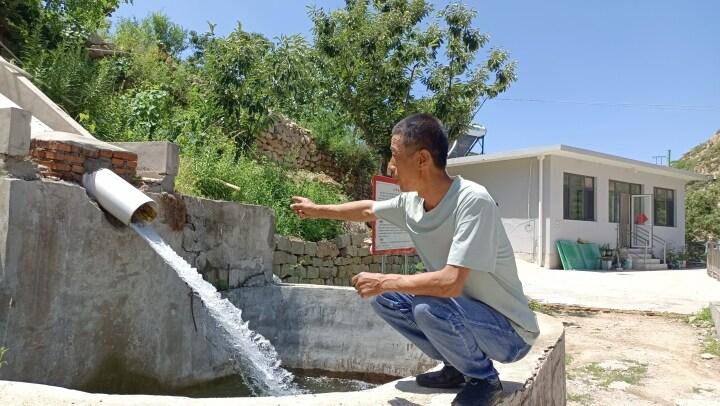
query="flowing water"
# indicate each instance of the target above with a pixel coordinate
(257, 360)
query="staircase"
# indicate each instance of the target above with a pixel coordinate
(642, 261)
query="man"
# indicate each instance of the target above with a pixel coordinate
(469, 308)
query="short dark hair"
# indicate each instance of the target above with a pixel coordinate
(425, 131)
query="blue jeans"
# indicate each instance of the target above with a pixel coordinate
(462, 332)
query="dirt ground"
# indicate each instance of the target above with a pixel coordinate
(616, 358)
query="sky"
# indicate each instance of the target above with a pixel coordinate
(629, 78)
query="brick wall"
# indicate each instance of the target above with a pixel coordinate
(70, 160)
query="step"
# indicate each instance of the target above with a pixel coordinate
(639, 260)
(636, 250)
(649, 267)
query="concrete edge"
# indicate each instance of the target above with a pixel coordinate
(715, 313)
(545, 385)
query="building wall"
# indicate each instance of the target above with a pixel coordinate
(514, 186)
(601, 230)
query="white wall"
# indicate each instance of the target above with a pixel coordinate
(601, 230)
(512, 184)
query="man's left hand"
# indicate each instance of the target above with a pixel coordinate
(368, 284)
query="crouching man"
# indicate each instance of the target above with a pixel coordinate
(469, 308)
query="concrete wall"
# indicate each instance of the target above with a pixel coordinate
(88, 296)
(230, 244)
(329, 328)
(514, 186)
(21, 91)
(83, 300)
(601, 230)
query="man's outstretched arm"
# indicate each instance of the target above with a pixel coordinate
(360, 210)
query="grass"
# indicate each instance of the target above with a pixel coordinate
(703, 319)
(634, 373)
(712, 346)
(3, 350)
(582, 399)
(537, 306)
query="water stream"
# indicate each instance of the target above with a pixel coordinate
(257, 360)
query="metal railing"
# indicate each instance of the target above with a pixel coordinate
(644, 236)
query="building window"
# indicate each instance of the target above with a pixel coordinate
(578, 197)
(664, 207)
(616, 190)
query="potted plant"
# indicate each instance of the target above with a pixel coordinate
(682, 258)
(606, 257)
(671, 259)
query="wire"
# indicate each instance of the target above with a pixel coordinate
(616, 104)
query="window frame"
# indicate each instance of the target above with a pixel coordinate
(567, 213)
(671, 214)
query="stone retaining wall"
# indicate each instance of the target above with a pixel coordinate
(293, 145)
(332, 262)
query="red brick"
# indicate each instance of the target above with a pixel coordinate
(74, 149)
(105, 153)
(124, 171)
(39, 144)
(132, 164)
(54, 155)
(128, 156)
(37, 153)
(118, 162)
(78, 169)
(59, 146)
(59, 166)
(76, 159)
(90, 152)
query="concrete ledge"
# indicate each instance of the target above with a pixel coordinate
(537, 379)
(156, 159)
(715, 312)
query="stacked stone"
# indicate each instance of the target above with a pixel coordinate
(331, 262)
(288, 143)
(69, 160)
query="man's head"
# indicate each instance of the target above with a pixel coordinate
(419, 148)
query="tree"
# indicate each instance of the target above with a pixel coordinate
(702, 211)
(376, 54)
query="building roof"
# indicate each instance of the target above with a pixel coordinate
(577, 153)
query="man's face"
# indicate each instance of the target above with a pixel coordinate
(403, 166)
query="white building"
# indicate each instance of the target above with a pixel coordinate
(585, 194)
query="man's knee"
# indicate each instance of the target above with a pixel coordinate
(428, 309)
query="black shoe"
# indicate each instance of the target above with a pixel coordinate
(479, 392)
(448, 377)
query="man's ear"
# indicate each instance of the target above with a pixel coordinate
(424, 158)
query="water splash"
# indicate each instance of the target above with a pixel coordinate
(257, 361)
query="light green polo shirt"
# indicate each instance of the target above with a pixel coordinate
(465, 230)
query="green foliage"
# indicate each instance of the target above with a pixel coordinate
(373, 54)
(214, 95)
(3, 350)
(702, 210)
(217, 172)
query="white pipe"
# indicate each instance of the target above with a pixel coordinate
(541, 217)
(120, 198)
